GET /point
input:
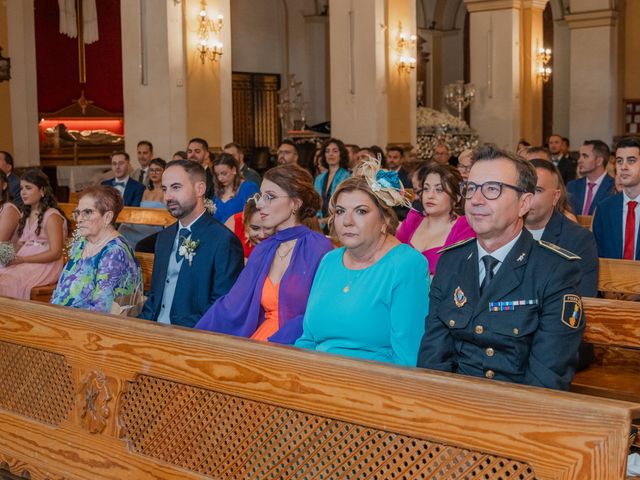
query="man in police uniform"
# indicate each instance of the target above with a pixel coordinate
(504, 306)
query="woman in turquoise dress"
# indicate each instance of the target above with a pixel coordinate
(369, 299)
(102, 269)
(334, 158)
(231, 190)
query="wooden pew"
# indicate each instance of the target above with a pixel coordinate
(95, 396)
(146, 265)
(134, 215)
(614, 325)
(585, 221)
(619, 276)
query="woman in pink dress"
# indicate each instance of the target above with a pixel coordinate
(41, 233)
(443, 222)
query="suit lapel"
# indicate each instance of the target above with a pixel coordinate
(602, 193)
(468, 275)
(553, 229)
(510, 274)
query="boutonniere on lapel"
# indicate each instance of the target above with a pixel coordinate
(188, 248)
(210, 206)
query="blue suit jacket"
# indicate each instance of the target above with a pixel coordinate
(569, 235)
(132, 192)
(577, 191)
(217, 263)
(607, 228)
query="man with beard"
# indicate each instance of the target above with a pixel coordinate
(197, 258)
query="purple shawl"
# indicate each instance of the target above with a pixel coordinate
(239, 312)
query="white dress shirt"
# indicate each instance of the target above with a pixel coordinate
(500, 254)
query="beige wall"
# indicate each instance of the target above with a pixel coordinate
(632, 50)
(209, 111)
(6, 141)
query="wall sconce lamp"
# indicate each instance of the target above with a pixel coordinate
(5, 68)
(405, 51)
(543, 58)
(211, 49)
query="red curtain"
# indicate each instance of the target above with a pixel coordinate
(57, 60)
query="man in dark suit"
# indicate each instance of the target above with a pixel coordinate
(6, 165)
(545, 222)
(616, 224)
(504, 306)
(595, 185)
(198, 151)
(130, 190)
(237, 152)
(197, 258)
(566, 165)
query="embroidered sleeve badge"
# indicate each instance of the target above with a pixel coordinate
(572, 311)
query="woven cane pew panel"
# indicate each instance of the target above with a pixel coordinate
(35, 383)
(227, 437)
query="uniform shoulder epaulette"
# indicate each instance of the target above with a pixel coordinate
(559, 250)
(455, 245)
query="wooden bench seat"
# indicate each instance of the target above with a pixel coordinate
(616, 373)
(84, 395)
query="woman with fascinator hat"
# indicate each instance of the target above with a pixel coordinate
(369, 298)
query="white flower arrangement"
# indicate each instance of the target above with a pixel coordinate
(210, 206)
(188, 248)
(7, 253)
(430, 118)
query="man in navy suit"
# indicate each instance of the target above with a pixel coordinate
(546, 222)
(130, 190)
(617, 219)
(595, 185)
(197, 259)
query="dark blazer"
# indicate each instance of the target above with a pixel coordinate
(14, 189)
(569, 235)
(607, 228)
(533, 342)
(133, 191)
(217, 263)
(567, 167)
(577, 189)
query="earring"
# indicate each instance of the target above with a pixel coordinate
(294, 211)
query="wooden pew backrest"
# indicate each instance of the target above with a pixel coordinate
(133, 215)
(146, 265)
(614, 324)
(94, 396)
(585, 221)
(619, 276)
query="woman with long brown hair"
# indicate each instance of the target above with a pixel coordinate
(269, 299)
(230, 190)
(42, 230)
(9, 213)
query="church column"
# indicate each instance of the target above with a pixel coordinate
(371, 101)
(531, 86)
(495, 70)
(21, 48)
(153, 76)
(209, 85)
(595, 96)
(6, 132)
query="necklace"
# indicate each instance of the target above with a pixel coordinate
(282, 257)
(366, 261)
(95, 247)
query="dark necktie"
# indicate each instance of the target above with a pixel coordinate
(183, 234)
(141, 178)
(630, 232)
(489, 264)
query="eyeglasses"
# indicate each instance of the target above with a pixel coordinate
(490, 190)
(267, 198)
(156, 170)
(86, 213)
